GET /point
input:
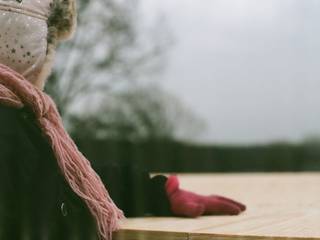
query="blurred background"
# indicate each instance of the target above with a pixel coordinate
(194, 86)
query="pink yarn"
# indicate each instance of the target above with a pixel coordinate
(17, 92)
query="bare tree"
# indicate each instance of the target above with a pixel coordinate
(109, 50)
(139, 113)
(97, 80)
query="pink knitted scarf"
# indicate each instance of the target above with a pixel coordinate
(17, 92)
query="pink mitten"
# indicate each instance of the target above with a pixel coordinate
(188, 204)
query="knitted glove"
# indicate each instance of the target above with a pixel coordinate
(188, 204)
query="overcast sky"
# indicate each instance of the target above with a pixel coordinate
(249, 68)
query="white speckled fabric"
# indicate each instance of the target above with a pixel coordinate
(23, 35)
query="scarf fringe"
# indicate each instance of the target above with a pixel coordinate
(17, 92)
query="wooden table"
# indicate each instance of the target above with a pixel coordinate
(280, 206)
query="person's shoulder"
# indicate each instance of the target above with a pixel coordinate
(9, 120)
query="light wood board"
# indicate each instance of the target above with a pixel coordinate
(280, 206)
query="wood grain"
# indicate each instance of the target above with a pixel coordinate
(280, 206)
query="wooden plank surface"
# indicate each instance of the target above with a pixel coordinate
(280, 206)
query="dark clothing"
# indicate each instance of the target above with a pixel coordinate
(134, 191)
(36, 202)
